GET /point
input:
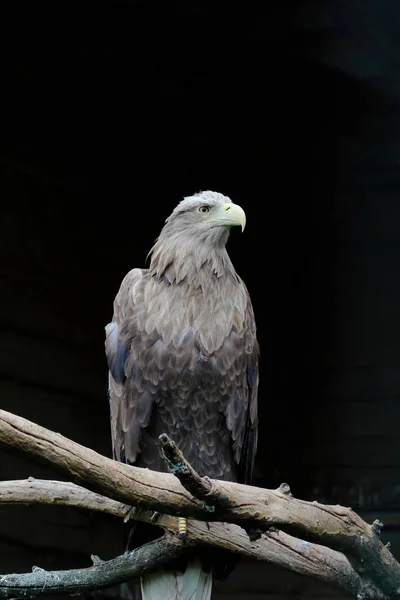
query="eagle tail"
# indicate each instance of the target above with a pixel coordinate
(193, 584)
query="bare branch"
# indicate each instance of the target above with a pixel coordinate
(200, 487)
(277, 548)
(347, 533)
(131, 485)
(44, 491)
(336, 527)
(101, 574)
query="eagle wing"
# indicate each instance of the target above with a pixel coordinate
(242, 412)
(130, 412)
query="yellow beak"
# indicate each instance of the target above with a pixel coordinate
(230, 215)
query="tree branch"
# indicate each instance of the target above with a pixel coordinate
(338, 528)
(101, 574)
(277, 548)
(199, 487)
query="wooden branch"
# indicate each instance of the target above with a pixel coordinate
(177, 464)
(131, 485)
(277, 548)
(101, 574)
(361, 543)
(336, 527)
(199, 487)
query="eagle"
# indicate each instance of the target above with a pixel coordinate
(183, 357)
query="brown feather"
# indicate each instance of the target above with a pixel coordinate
(183, 353)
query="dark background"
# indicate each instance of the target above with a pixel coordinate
(111, 114)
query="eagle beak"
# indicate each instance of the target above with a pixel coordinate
(229, 215)
(235, 214)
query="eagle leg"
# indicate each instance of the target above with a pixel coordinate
(182, 528)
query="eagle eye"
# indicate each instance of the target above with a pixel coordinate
(204, 209)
